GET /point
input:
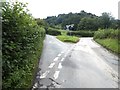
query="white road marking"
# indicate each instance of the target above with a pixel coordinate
(35, 86)
(59, 55)
(51, 65)
(56, 59)
(59, 66)
(65, 55)
(62, 59)
(56, 74)
(44, 74)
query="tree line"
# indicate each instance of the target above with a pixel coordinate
(83, 21)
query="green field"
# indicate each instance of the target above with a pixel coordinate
(111, 44)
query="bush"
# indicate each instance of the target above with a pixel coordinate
(53, 31)
(21, 46)
(107, 33)
(81, 33)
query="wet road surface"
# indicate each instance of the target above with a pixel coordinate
(82, 65)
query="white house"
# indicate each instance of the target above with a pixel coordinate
(68, 27)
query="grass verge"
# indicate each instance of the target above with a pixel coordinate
(66, 38)
(110, 44)
(63, 32)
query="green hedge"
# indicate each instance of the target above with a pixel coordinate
(107, 33)
(22, 41)
(81, 33)
(53, 31)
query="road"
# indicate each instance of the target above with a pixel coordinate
(82, 65)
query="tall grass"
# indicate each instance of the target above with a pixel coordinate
(110, 44)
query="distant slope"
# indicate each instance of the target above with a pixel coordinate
(70, 18)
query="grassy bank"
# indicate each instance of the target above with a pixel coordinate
(108, 38)
(65, 38)
(63, 32)
(72, 39)
(111, 44)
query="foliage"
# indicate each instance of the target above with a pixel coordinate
(53, 31)
(66, 19)
(104, 20)
(84, 21)
(88, 23)
(63, 32)
(81, 33)
(107, 33)
(42, 23)
(111, 44)
(115, 24)
(22, 45)
(72, 39)
(109, 38)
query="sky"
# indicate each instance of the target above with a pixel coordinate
(43, 8)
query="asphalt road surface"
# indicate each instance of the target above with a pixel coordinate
(82, 65)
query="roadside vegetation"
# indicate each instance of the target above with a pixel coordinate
(104, 28)
(109, 38)
(83, 21)
(22, 42)
(23, 35)
(65, 38)
(81, 33)
(61, 35)
(71, 39)
(53, 31)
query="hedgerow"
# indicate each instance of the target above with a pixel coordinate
(108, 38)
(53, 31)
(107, 33)
(81, 33)
(22, 41)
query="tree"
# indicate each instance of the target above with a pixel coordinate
(115, 24)
(88, 23)
(42, 23)
(104, 20)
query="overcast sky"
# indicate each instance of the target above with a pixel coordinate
(44, 8)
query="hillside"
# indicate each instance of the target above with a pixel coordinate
(83, 21)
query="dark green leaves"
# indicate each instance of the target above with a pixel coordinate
(22, 45)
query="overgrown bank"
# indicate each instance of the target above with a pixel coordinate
(109, 38)
(71, 39)
(22, 42)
